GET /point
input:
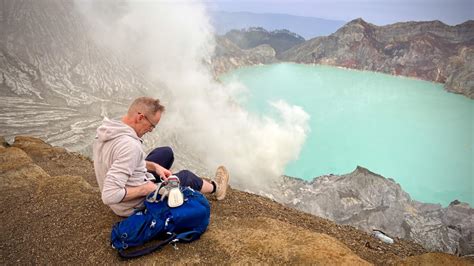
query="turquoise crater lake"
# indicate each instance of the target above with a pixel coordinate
(410, 130)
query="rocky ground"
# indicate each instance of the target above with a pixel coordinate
(52, 213)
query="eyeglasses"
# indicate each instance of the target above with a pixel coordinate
(152, 125)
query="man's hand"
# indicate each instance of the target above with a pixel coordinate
(160, 170)
(163, 172)
(140, 191)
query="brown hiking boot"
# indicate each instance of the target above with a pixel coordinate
(222, 180)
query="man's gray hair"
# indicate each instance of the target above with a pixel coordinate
(146, 105)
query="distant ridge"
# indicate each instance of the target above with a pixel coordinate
(429, 50)
(280, 40)
(308, 27)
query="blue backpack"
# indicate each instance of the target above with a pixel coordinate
(185, 223)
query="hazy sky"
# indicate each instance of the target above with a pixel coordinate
(379, 12)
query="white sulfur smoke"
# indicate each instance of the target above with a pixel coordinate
(172, 42)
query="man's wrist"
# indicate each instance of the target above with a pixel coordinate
(146, 190)
(159, 169)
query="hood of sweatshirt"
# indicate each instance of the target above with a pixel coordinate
(111, 129)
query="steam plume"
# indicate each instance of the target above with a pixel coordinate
(173, 44)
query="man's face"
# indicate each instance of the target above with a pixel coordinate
(147, 123)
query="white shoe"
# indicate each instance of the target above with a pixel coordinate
(175, 197)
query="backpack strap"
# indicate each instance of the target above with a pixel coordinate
(152, 197)
(188, 236)
(145, 251)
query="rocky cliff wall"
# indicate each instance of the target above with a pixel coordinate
(56, 81)
(369, 201)
(48, 55)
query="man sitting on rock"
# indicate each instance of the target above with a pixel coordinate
(124, 175)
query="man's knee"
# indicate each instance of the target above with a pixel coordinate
(167, 151)
(185, 175)
(161, 154)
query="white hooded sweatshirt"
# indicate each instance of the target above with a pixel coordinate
(119, 161)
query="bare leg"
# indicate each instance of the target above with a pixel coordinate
(207, 187)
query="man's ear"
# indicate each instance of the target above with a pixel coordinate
(138, 118)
